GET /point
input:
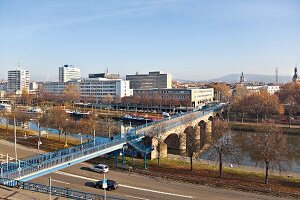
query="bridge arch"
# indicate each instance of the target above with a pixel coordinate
(173, 143)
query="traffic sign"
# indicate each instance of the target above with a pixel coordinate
(104, 183)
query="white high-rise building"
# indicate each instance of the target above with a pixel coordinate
(68, 73)
(18, 80)
(95, 88)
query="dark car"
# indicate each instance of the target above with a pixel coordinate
(111, 185)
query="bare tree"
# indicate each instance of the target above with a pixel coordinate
(268, 146)
(291, 107)
(222, 145)
(192, 145)
(109, 127)
(26, 98)
(46, 120)
(59, 120)
(23, 117)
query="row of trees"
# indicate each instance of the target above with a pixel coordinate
(268, 146)
(57, 118)
(262, 104)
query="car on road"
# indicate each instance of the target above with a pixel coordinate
(100, 168)
(111, 185)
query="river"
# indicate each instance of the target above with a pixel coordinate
(293, 158)
(293, 142)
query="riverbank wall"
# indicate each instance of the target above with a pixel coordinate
(252, 127)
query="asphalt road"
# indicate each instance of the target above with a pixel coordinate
(133, 186)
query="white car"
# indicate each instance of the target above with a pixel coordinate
(100, 168)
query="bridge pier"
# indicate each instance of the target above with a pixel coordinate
(160, 150)
(182, 144)
(197, 136)
(208, 130)
(202, 133)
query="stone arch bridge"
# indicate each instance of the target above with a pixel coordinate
(174, 135)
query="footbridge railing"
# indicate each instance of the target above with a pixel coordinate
(60, 159)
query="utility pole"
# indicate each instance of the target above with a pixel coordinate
(276, 71)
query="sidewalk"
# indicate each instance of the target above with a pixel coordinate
(17, 194)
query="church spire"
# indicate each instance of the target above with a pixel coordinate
(242, 78)
(295, 77)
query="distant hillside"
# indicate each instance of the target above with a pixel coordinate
(234, 78)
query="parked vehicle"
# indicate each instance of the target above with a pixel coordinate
(111, 185)
(100, 168)
(6, 107)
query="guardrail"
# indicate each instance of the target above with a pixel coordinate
(55, 191)
(176, 120)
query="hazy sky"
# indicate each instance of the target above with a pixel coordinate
(192, 39)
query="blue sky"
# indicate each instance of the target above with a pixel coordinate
(192, 39)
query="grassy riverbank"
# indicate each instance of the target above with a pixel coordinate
(49, 143)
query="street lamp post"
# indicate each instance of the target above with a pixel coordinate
(1, 171)
(50, 188)
(15, 135)
(104, 185)
(94, 137)
(39, 141)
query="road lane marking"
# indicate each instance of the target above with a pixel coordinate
(76, 176)
(155, 191)
(126, 186)
(54, 180)
(136, 197)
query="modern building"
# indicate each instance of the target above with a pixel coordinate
(271, 89)
(155, 79)
(296, 78)
(105, 75)
(68, 73)
(100, 88)
(18, 80)
(193, 97)
(33, 86)
(3, 86)
(93, 88)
